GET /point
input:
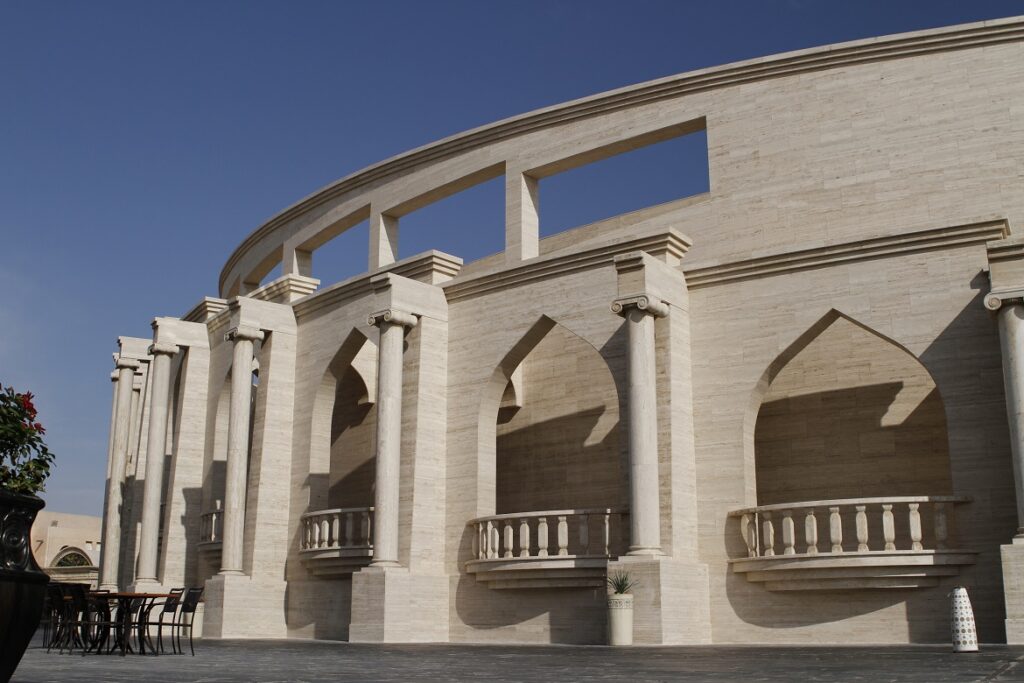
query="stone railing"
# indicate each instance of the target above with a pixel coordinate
(865, 537)
(337, 528)
(211, 525)
(337, 541)
(548, 548)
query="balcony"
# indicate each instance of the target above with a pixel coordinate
(547, 549)
(899, 542)
(211, 526)
(336, 542)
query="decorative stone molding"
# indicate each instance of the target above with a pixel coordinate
(996, 299)
(128, 363)
(393, 316)
(286, 289)
(163, 348)
(205, 309)
(641, 302)
(244, 332)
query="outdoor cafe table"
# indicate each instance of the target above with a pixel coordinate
(124, 601)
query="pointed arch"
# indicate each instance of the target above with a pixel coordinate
(559, 444)
(845, 411)
(345, 395)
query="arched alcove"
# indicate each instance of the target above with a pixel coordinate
(557, 432)
(72, 557)
(343, 427)
(848, 413)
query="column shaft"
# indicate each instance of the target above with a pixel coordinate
(389, 444)
(645, 525)
(157, 440)
(1011, 339)
(238, 453)
(111, 550)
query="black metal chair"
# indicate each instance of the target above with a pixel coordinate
(54, 612)
(168, 606)
(186, 616)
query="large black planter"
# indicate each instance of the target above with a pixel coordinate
(22, 583)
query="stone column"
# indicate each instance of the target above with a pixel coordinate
(155, 452)
(644, 512)
(392, 324)
(1010, 312)
(238, 447)
(111, 550)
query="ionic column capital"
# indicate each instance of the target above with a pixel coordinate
(393, 316)
(162, 348)
(641, 302)
(997, 298)
(244, 332)
(127, 364)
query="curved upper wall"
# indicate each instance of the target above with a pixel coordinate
(792, 139)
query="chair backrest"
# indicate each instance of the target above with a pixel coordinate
(173, 598)
(191, 600)
(79, 599)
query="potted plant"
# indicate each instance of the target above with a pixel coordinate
(620, 609)
(24, 466)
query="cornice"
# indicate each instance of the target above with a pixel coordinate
(879, 247)
(285, 289)
(431, 267)
(960, 37)
(668, 244)
(207, 308)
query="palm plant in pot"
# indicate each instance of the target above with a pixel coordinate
(620, 608)
(24, 467)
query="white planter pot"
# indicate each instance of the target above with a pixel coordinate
(620, 619)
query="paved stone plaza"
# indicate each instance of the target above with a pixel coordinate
(298, 661)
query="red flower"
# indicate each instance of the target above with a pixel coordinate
(39, 428)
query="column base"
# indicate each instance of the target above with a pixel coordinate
(238, 607)
(392, 605)
(671, 601)
(147, 586)
(1013, 590)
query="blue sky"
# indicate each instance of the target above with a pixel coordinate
(140, 142)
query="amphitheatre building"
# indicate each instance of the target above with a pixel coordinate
(791, 407)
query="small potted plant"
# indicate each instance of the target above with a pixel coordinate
(620, 608)
(24, 466)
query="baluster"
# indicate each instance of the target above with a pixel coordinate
(367, 529)
(476, 540)
(481, 540)
(584, 522)
(492, 540)
(941, 526)
(336, 530)
(862, 529)
(768, 534)
(350, 525)
(542, 537)
(316, 532)
(915, 526)
(325, 537)
(563, 535)
(888, 527)
(835, 529)
(749, 539)
(524, 537)
(811, 532)
(508, 538)
(607, 534)
(788, 533)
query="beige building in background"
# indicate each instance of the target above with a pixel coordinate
(791, 406)
(67, 546)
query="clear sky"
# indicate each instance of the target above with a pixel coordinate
(140, 142)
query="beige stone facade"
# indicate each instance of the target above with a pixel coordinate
(67, 546)
(792, 407)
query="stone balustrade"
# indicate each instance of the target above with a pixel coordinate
(549, 548)
(336, 541)
(892, 542)
(211, 525)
